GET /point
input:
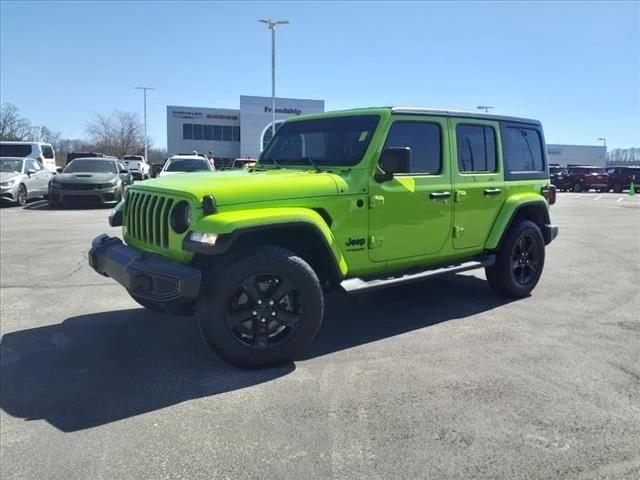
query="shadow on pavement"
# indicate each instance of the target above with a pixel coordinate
(44, 205)
(99, 368)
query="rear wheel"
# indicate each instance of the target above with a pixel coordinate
(617, 188)
(261, 309)
(519, 261)
(577, 187)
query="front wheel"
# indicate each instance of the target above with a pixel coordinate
(21, 199)
(519, 261)
(261, 308)
(617, 188)
(577, 188)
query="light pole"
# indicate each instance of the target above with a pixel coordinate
(484, 107)
(144, 89)
(272, 24)
(604, 141)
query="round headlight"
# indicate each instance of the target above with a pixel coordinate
(181, 217)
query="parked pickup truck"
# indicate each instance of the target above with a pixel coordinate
(355, 200)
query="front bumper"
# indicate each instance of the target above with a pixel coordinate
(145, 274)
(96, 197)
(550, 233)
(9, 194)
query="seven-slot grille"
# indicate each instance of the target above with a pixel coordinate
(147, 217)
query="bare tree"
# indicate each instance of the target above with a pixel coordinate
(13, 126)
(118, 134)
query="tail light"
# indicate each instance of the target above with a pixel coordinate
(549, 193)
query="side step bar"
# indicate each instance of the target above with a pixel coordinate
(360, 285)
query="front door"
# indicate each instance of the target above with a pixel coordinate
(478, 180)
(410, 215)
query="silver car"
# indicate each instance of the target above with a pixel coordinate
(22, 179)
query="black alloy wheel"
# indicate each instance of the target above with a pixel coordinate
(263, 310)
(524, 260)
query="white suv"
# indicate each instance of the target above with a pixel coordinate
(42, 152)
(137, 165)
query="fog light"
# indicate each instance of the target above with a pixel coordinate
(206, 238)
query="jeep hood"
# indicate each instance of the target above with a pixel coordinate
(242, 186)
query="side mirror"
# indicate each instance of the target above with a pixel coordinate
(394, 160)
(58, 169)
(31, 171)
(124, 171)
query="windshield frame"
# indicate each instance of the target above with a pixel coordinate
(306, 162)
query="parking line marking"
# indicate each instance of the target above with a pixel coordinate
(598, 197)
(620, 199)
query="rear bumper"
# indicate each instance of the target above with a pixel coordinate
(550, 233)
(147, 275)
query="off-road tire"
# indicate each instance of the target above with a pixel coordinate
(221, 286)
(501, 275)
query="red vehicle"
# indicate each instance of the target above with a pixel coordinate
(584, 178)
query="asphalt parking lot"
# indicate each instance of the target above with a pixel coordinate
(440, 379)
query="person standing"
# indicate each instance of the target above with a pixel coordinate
(211, 159)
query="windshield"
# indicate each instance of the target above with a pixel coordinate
(10, 166)
(340, 141)
(91, 166)
(187, 165)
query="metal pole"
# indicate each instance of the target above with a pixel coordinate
(146, 146)
(146, 157)
(273, 80)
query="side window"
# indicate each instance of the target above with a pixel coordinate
(197, 131)
(476, 148)
(32, 165)
(522, 149)
(121, 166)
(47, 151)
(423, 139)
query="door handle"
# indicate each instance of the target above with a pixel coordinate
(490, 192)
(439, 195)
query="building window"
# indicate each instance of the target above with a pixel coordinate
(197, 132)
(423, 138)
(187, 131)
(227, 134)
(217, 133)
(236, 134)
(207, 132)
(476, 148)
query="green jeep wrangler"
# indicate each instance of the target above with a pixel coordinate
(355, 200)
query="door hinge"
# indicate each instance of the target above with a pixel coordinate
(460, 195)
(375, 242)
(457, 232)
(376, 201)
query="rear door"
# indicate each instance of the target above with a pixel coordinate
(410, 215)
(478, 180)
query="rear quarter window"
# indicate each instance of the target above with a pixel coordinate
(523, 150)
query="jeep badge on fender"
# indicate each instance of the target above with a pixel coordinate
(251, 254)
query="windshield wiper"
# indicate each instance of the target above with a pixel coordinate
(312, 163)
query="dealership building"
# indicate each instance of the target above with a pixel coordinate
(231, 133)
(243, 132)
